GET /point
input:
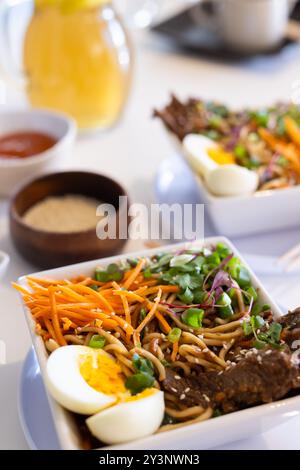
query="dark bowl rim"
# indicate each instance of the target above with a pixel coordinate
(13, 214)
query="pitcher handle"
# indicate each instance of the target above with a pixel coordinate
(11, 72)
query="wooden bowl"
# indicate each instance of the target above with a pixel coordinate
(49, 249)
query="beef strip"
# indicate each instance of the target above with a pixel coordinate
(291, 328)
(261, 377)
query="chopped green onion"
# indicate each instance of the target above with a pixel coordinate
(138, 382)
(174, 335)
(240, 151)
(226, 310)
(143, 314)
(193, 317)
(223, 250)
(113, 273)
(147, 273)
(141, 364)
(97, 342)
(266, 308)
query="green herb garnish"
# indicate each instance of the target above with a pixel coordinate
(97, 342)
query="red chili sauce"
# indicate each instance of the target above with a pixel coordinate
(24, 144)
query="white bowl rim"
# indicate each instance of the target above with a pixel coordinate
(58, 412)
(70, 134)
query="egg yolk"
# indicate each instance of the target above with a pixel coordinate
(220, 156)
(146, 393)
(102, 373)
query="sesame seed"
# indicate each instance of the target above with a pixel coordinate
(259, 359)
(205, 350)
(187, 390)
(177, 377)
(269, 352)
(182, 397)
(174, 389)
(206, 398)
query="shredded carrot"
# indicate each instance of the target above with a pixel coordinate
(150, 314)
(55, 320)
(134, 274)
(167, 289)
(165, 325)
(174, 351)
(50, 329)
(130, 295)
(292, 129)
(126, 309)
(288, 150)
(21, 289)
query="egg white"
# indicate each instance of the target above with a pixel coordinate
(129, 420)
(66, 384)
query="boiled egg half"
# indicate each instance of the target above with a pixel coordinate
(136, 417)
(218, 168)
(84, 380)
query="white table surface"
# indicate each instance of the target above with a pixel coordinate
(132, 153)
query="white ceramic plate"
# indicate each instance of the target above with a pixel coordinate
(34, 411)
(210, 433)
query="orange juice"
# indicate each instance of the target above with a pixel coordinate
(78, 61)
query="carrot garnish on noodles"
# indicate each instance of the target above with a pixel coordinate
(134, 274)
(55, 320)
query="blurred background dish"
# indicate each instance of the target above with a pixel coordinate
(51, 249)
(233, 29)
(75, 58)
(27, 126)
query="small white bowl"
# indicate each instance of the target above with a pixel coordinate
(14, 171)
(4, 261)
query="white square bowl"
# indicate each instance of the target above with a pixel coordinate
(217, 431)
(263, 211)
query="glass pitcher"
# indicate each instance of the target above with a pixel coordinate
(76, 59)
